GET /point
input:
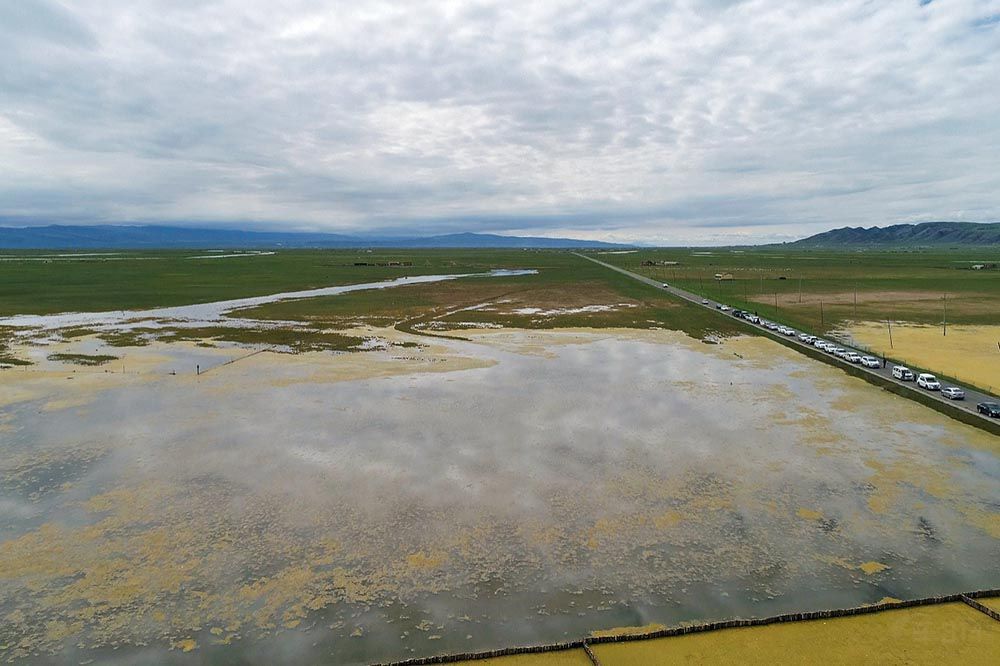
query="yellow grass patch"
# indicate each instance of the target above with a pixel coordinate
(942, 634)
(561, 658)
(968, 353)
(991, 602)
(628, 631)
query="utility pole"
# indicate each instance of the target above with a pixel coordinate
(888, 323)
(855, 301)
(775, 301)
(822, 323)
(945, 320)
(800, 289)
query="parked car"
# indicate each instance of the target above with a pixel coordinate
(808, 339)
(852, 357)
(902, 372)
(835, 350)
(926, 380)
(704, 301)
(725, 308)
(665, 285)
(870, 362)
(819, 343)
(789, 331)
(752, 318)
(989, 408)
(953, 393)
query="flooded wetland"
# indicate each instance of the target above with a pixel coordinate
(437, 495)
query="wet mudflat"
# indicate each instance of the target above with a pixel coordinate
(519, 488)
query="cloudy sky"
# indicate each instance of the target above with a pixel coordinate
(673, 121)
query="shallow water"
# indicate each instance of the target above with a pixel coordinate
(579, 482)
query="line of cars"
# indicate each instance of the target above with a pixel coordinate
(924, 380)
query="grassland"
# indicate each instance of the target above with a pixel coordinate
(562, 294)
(813, 290)
(559, 293)
(39, 283)
(820, 290)
(83, 359)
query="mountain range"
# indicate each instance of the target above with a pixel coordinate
(938, 234)
(130, 237)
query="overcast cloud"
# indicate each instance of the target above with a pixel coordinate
(674, 121)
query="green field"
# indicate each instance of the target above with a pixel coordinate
(148, 279)
(42, 283)
(812, 290)
(819, 290)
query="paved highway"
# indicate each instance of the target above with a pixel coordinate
(972, 397)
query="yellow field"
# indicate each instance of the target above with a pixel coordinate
(992, 603)
(563, 658)
(967, 353)
(943, 634)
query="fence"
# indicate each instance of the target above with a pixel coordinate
(969, 598)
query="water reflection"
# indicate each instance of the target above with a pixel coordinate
(261, 514)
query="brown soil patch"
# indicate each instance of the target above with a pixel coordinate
(870, 297)
(575, 296)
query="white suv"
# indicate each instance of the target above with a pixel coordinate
(928, 381)
(902, 372)
(852, 357)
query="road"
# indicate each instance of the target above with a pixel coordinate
(972, 396)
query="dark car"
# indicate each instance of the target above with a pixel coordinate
(989, 408)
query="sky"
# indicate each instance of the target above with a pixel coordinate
(676, 121)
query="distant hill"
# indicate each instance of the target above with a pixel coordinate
(915, 235)
(131, 237)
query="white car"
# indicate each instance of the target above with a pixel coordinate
(665, 285)
(953, 393)
(752, 318)
(819, 343)
(925, 380)
(808, 339)
(789, 331)
(835, 350)
(870, 362)
(704, 301)
(725, 308)
(902, 372)
(852, 357)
